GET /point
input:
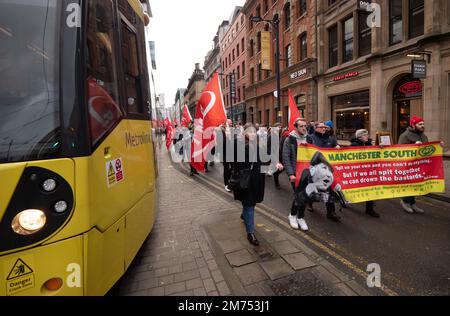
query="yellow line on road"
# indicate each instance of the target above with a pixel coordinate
(317, 243)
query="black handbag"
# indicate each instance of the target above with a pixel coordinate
(240, 179)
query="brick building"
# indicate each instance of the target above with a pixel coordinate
(213, 58)
(364, 74)
(298, 59)
(233, 58)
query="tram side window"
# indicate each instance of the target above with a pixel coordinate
(131, 70)
(102, 87)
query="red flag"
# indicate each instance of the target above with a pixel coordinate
(210, 113)
(294, 113)
(169, 133)
(186, 118)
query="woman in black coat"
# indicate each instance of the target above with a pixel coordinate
(254, 194)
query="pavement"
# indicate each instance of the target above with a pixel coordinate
(198, 247)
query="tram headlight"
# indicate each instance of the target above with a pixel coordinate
(28, 222)
(60, 207)
(49, 185)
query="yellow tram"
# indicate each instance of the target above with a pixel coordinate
(77, 160)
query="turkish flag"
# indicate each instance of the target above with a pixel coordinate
(209, 114)
(186, 118)
(294, 113)
(169, 133)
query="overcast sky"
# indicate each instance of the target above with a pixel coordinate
(184, 31)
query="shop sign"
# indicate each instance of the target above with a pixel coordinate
(298, 74)
(412, 87)
(348, 75)
(419, 69)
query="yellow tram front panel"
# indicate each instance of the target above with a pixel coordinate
(111, 218)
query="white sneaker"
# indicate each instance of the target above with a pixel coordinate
(302, 224)
(293, 221)
(227, 189)
(417, 209)
(407, 207)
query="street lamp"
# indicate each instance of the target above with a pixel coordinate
(276, 26)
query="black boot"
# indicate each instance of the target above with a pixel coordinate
(252, 239)
(331, 213)
(370, 210)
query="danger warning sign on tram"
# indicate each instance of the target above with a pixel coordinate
(114, 172)
(20, 278)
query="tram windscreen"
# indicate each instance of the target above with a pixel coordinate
(29, 79)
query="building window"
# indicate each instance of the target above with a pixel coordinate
(260, 72)
(238, 72)
(348, 40)
(303, 47)
(416, 18)
(302, 7)
(351, 112)
(395, 21)
(258, 11)
(251, 49)
(233, 55)
(288, 55)
(331, 2)
(365, 35)
(237, 49)
(242, 44)
(252, 75)
(287, 16)
(258, 42)
(243, 68)
(266, 6)
(333, 46)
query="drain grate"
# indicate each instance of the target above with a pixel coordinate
(300, 284)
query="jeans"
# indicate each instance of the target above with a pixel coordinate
(248, 213)
(409, 200)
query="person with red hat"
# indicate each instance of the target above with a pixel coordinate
(415, 134)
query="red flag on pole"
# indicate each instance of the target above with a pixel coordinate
(186, 118)
(210, 113)
(169, 133)
(294, 113)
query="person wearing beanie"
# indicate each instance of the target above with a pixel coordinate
(415, 134)
(362, 139)
(330, 129)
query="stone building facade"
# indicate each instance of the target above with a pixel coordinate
(364, 73)
(194, 89)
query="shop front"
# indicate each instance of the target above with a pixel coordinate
(351, 112)
(407, 102)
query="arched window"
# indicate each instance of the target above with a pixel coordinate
(287, 16)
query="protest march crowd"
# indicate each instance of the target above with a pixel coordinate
(251, 152)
